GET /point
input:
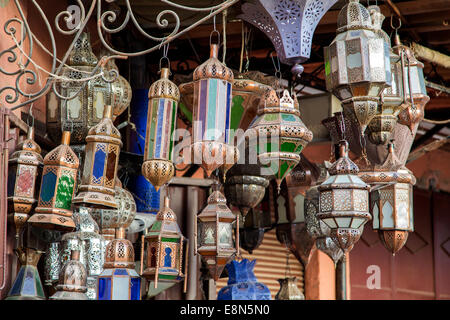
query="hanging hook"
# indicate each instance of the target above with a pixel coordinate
(30, 116)
(214, 31)
(165, 57)
(399, 24)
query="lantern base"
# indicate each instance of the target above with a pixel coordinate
(216, 264)
(158, 171)
(68, 295)
(52, 221)
(345, 238)
(330, 248)
(97, 199)
(380, 128)
(393, 240)
(362, 109)
(211, 155)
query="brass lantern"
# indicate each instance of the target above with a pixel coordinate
(344, 201)
(214, 233)
(278, 134)
(25, 166)
(164, 254)
(58, 185)
(100, 164)
(211, 146)
(121, 92)
(289, 290)
(163, 98)
(357, 65)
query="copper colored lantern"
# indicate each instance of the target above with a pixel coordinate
(161, 123)
(58, 185)
(214, 233)
(121, 92)
(289, 290)
(25, 166)
(344, 201)
(100, 164)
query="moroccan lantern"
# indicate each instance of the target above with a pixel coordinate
(27, 285)
(84, 108)
(357, 64)
(278, 134)
(211, 146)
(121, 92)
(164, 250)
(289, 290)
(58, 185)
(242, 283)
(344, 201)
(214, 233)
(100, 164)
(52, 264)
(163, 98)
(25, 166)
(72, 280)
(119, 280)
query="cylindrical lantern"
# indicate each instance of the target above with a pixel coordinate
(119, 280)
(164, 250)
(25, 166)
(278, 135)
(161, 123)
(344, 201)
(58, 185)
(289, 290)
(100, 164)
(72, 280)
(214, 233)
(212, 114)
(357, 66)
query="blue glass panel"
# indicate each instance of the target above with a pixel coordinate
(104, 288)
(29, 287)
(120, 272)
(15, 290)
(48, 186)
(135, 288)
(159, 129)
(99, 163)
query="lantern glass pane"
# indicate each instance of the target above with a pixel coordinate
(342, 179)
(282, 215)
(402, 204)
(387, 64)
(330, 222)
(121, 288)
(411, 209)
(135, 290)
(388, 221)
(361, 200)
(376, 216)
(357, 222)
(225, 234)
(74, 106)
(343, 222)
(104, 289)
(299, 201)
(342, 200)
(208, 234)
(99, 104)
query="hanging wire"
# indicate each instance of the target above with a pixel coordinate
(165, 49)
(277, 68)
(288, 268)
(30, 116)
(214, 31)
(224, 26)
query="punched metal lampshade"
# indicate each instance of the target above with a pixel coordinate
(289, 290)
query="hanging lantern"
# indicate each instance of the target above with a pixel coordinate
(163, 98)
(52, 264)
(289, 290)
(357, 65)
(344, 201)
(212, 115)
(214, 233)
(25, 166)
(100, 165)
(28, 285)
(119, 280)
(72, 280)
(242, 283)
(278, 134)
(121, 92)
(164, 251)
(58, 186)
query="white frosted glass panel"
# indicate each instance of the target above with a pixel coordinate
(342, 179)
(299, 208)
(375, 213)
(387, 221)
(99, 104)
(356, 223)
(343, 222)
(354, 60)
(330, 222)
(121, 288)
(74, 107)
(282, 216)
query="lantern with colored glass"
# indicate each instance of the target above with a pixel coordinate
(211, 146)
(119, 280)
(214, 233)
(164, 250)
(357, 64)
(100, 164)
(278, 135)
(25, 166)
(344, 201)
(58, 185)
(163, 101)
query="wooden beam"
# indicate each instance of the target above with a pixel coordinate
(419, 152)
(436, 103)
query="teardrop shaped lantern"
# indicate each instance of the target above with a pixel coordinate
(211, 146)
(161, 122)
(278, 135)
(214, 233)
(58, 185)
(344, 201)
(357, 65)
(100, 164)
(25, 166)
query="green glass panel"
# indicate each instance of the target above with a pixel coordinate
(299, 149)
(288, 147)
(170, 240)
(39, 289)
(236, 112)
(283, 168)
(271, 116)
(64, 192)
(261, 150)
(327, 67)
(156, 226)
(288, 117)
(185, 111)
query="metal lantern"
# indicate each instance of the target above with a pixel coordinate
(163, 101)
(119, 280)
(357, 64)
(58, 186)
(25, 166)
(52, 264)
(278, 134)
(28, 285)
(85, 109)
(289, 290)
(72, 280)
(214, 233)
(121, 92)
(164, 243)
(344, 201)
(100, 164)
(212, 115)
(242, 283)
